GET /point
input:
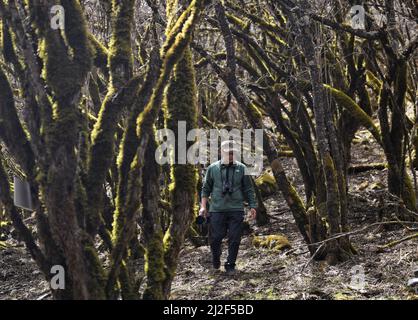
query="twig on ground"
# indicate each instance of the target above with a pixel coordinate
(44, 295)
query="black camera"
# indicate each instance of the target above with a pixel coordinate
(200, 220)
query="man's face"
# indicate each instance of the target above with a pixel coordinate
(231, 157)
(228, 157)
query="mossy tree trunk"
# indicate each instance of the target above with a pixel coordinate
(180, 105)
(152, 232)
(262, 216)
(172, 52)
(393, 135)
(67, 172)
(329, 149)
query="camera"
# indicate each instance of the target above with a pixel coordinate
(200, 220)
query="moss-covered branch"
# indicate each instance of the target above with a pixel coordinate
(11, 130)
(362, 117)
(181, 105)
(120, 95)
(100, 54)
(172, 51)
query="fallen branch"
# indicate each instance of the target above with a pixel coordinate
(322, 243)
(339, 235)
(358, 168)
(396, 242)
(44, 295)
(314, 255)
(285, 154)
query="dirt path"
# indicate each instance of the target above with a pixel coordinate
(263, 274)
(270, 275)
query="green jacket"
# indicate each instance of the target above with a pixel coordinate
(242, 187)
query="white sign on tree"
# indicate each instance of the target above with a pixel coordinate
(22, 195)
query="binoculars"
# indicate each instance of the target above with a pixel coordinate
(226, 188)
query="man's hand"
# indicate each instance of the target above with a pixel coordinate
(253, 213)
(203, 212)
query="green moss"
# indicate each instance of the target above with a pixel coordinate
(154, 267)
(178, 29)
(180, 104)
(128, 150)
(356, 111)
(96, 272)
(77, 36)
(255, 111)
(373, 81)
(118, 223)
(264, 22)
(127, 285)
(266, 184)
(100, 54)
(343, 296)
(120, 49)
(67, 61)
(178, 38)
(171, 12)
(408, 195)
(102, 148)
(272, 242)
(328, 162)
(236, 20)
(295, 200)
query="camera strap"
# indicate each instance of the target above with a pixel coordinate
(222, 177)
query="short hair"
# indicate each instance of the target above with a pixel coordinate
(229, 146)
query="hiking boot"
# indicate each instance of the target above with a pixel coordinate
(230, 269)
(215, 268)
(231, 272)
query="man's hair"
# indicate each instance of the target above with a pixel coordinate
(229, 146)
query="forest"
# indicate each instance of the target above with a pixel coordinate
(87, 212)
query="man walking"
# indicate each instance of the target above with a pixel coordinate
(228, 186)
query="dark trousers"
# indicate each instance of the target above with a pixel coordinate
(221, 224)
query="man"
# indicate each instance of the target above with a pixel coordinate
(228, 186)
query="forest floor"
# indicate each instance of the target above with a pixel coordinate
(288, 274)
